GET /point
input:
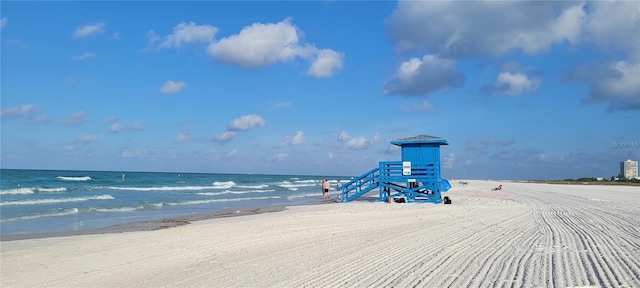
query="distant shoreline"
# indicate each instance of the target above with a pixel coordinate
(148, 225)
(575, 182)
(159, 224)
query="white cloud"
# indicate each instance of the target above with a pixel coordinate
(115, 128)
(569, 23)
(513, 84)
(417, 77)
(182, 137)
(83, 56)
(76, 118)
(627, 84)
(281, 105)
(17, 111)
(170, 87)
(88, 30)
(27, 111)
(70, 148)
(392, 150)
(183, 33)
(111, 120)
(138, 126)
(408, 68)
(615, 24)
(224, 136)
(261, 45)
(17, 43)
(356, 143)
(35, 119)
(423, 106)
(616, 83)
(462, 29)
(245, 123)
(326, 63)
(343, 136)
(458, 30)
(258, 45)
(86, 139)
(297, 139)
(3, 22)
(138, 153)
(449, 161)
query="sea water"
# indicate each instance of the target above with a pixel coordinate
(36, 201)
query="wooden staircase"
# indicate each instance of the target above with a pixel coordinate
(420, 183)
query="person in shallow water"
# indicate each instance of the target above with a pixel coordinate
(325, 189)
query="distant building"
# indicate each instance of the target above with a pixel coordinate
(629, 169)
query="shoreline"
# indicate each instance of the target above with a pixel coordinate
(160, 224)
(477, 241)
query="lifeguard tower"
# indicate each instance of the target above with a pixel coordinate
(414, 179)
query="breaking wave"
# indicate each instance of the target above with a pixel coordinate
(59, 200)
(223, 185)
(71, 211)
(82, 178)
(17, 191)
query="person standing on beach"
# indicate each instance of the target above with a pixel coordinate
(325, 186)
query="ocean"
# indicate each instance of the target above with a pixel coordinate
(37, 201)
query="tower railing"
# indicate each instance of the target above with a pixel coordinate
(420, 183)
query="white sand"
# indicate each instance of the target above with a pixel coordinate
(527, 235)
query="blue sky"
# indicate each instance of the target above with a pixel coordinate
(521, 90)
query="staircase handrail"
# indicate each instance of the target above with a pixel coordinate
(370, 178)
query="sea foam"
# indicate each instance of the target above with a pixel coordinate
(58, 200)
(17, 191)
(59, 189)
(297, 184)
(223, 185)
(195, 202)
(82, 178)
(161, 188)
(254, 186)
(234, 192)
(71, 211)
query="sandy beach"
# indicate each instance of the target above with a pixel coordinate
(526, 235)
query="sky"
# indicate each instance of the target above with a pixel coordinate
(520, 89)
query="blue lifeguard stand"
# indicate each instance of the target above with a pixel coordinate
(416, 178)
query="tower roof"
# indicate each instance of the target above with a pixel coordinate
(420, 139)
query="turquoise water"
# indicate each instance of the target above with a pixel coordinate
(35, 201)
